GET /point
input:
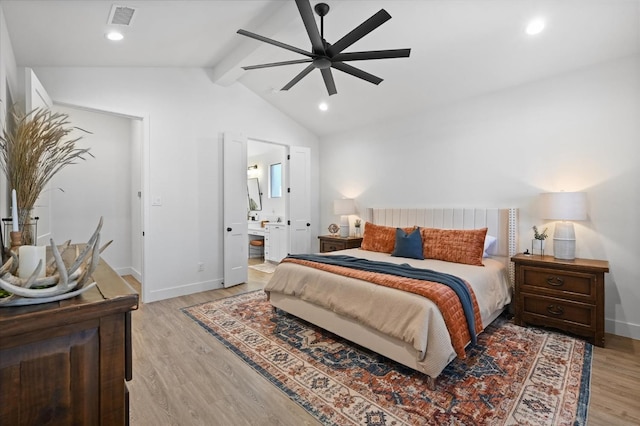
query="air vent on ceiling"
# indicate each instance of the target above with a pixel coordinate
(121, 15)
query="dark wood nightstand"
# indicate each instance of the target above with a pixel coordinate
(330, 243)
(564, 294)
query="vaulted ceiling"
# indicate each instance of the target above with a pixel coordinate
(460, 48)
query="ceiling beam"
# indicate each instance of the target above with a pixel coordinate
(270, 20)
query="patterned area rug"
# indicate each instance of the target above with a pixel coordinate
(513, 376)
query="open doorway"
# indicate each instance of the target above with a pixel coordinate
(107, 185)
(285, 231)
(266, 204)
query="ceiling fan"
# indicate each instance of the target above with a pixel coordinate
(324, 55)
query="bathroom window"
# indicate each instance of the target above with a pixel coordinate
(275, 180)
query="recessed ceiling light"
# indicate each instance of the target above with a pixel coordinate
(114, 36)
(323, 106)
(535, 26)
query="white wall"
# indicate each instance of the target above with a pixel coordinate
(8, 93)
(8, 71)
(187, 115)
(98, 187)
(574, 132)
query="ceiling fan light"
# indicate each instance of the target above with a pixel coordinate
(322, 62)
(323, 106)
(535, 26)
(114, 36)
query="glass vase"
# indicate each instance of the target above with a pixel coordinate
(537, 247)
(28, 225)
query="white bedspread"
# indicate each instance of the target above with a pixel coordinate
(402, 315)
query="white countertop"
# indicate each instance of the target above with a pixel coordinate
(255, 228)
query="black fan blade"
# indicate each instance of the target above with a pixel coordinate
(276, 43)
(304, 7)
(372, 54)
(276, 64)
(298, 77)
(328, 81)
(356, 72)
(360, 31)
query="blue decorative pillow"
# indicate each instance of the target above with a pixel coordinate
(408, 244)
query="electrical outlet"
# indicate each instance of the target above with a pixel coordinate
(200, 266)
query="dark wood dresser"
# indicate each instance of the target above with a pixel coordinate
(66, 363)
(330, 243)
(564, 294)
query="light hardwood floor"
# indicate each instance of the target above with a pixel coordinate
(184, 376)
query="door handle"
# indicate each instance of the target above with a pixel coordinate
(229, 229)
(308, 224)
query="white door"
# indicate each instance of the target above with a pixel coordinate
(236, 239)
(300, 199)
(37, 97)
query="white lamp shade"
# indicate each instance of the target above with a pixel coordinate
(344, 206)
(564, 205)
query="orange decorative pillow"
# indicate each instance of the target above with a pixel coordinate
(380, 238)
(454, 245)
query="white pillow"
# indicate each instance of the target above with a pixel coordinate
(489, 244)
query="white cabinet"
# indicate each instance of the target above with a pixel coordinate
(275, 242)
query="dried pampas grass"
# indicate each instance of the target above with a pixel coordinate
(33, 149)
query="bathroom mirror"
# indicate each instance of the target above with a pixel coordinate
(253, 192)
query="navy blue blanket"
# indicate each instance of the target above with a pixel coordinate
(407, 271)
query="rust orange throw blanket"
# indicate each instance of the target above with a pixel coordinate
(443, 296)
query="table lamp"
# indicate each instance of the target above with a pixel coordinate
(566, 207)
(344, 208)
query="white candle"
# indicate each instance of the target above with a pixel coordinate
(28, 258)
(14, 212)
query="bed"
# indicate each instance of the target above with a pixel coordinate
(405, 327)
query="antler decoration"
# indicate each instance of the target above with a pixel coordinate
(60, 283)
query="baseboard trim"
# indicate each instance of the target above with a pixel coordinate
(127, 270)
(183, 290)
(136, 274)
(624, 329)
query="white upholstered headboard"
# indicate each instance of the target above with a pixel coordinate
(500, 223)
